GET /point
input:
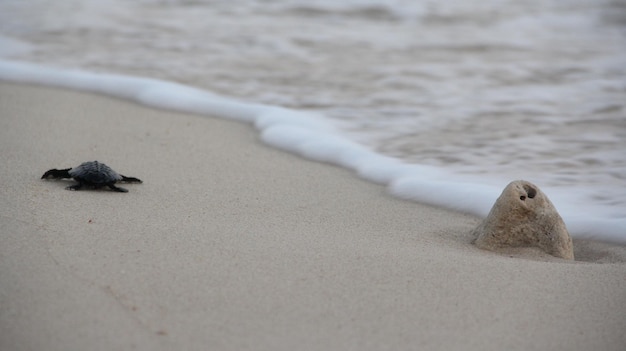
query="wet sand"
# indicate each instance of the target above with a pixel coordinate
(231, 245)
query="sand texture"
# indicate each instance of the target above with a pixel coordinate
(231, 245)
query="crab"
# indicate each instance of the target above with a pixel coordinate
(91, 175)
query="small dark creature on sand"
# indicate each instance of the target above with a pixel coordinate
(91, 175)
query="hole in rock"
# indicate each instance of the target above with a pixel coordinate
(522, 197)
(530, 191)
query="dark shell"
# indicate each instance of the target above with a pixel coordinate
(94, 172)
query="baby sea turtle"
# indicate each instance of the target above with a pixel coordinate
(92, 174)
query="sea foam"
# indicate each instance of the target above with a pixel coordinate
(310, 136)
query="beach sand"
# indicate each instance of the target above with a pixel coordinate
(232, 245)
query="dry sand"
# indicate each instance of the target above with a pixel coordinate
(231, 245)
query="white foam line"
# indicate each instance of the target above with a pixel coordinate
(306, 135)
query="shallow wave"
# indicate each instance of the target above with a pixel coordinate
(308, 136)
(490, 91)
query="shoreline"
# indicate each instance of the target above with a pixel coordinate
(230, 244)
(311, 137)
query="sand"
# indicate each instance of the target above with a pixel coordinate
(231, 245)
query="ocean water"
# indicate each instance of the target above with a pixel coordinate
(443, 102)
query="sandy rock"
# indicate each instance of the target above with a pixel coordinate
(523, 216)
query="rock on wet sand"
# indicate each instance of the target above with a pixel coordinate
(523, 216)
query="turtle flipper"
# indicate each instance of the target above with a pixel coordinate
(117, 188)
(74, 187)
(57, 174)
(130, 179)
